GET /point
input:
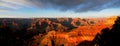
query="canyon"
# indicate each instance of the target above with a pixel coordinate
(51, 31)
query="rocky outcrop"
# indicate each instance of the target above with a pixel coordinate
(107, 36)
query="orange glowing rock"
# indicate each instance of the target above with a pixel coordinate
(111, 20)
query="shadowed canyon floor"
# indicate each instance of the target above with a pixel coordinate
(54, 31)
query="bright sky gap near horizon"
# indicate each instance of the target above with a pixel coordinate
(59, 8)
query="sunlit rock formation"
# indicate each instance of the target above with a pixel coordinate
(111, 20)
(51, 31)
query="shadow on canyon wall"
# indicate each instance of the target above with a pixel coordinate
(107, 37)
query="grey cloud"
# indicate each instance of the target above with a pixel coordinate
(64, 5)
(76, 5)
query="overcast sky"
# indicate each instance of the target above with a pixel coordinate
(59, 8)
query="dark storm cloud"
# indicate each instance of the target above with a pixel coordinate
(76, 5)
(64, 5)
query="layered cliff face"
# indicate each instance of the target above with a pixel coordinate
(50, 31)
(109, 36)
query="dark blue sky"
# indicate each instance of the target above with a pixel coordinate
(59, 8)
